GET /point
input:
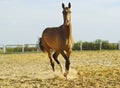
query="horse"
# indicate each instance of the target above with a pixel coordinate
(60, 40)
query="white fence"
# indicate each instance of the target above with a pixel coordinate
(100, 44)
(3, 48)
(119, 45)
(81, 44)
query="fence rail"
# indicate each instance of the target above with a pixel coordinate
(22, 48)
(34, 47)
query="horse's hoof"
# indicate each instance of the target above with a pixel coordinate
(66, 73)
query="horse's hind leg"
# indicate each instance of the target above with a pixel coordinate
(55, 56)
(51, 60)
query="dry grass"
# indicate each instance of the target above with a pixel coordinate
(89, 69)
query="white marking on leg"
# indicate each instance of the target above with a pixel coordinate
(54, 74)
(61, 68)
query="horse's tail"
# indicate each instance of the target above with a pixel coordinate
(41, 45)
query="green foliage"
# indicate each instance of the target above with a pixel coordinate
(13, 49)
(27, 48)
(18, 49)
(77, 46)
(1, 50)
(95, 45)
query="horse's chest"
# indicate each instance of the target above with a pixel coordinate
(68, 44)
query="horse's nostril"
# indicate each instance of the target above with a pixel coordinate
(67, 21)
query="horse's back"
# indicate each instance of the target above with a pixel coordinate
(51, 37)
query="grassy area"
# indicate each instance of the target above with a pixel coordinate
(89, 69)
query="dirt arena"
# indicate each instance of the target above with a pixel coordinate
(88, 69)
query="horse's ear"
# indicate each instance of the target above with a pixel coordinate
(63, 6)
(69, 5)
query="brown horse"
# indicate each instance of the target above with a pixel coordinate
(59, 39)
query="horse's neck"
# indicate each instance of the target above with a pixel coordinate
(67, 31)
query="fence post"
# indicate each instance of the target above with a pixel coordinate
(80, 46)
(100, 45)
(4, 48)
(119, 45)
(23, 48)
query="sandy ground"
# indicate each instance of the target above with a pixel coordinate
(88, 69)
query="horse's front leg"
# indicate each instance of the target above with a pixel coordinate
(67, 64)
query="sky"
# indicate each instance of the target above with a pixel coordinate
(23, 21)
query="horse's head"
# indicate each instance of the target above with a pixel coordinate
(66, 14)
